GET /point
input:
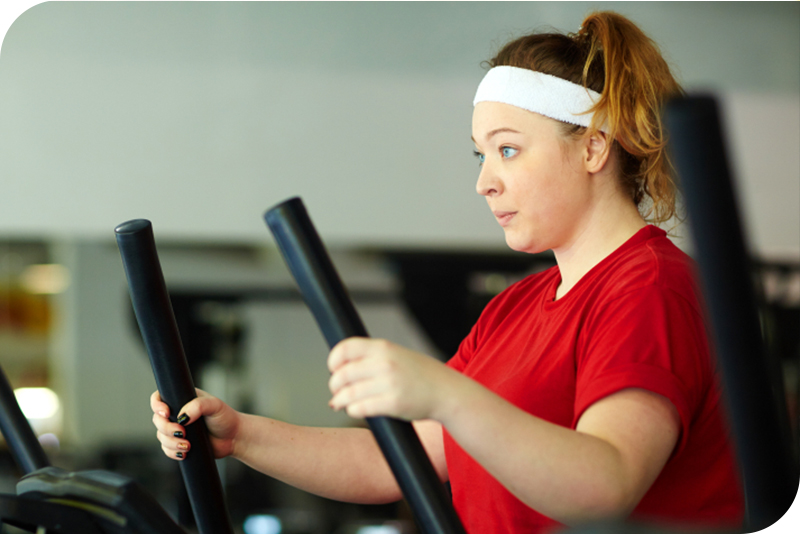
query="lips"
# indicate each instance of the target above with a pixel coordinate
(504, 217)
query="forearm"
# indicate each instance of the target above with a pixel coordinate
(344, 464)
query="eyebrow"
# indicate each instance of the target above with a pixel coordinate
(497, 131)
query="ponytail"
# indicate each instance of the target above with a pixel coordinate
(612, 56)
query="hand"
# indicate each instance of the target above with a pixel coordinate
(222, 422)
(373, 377)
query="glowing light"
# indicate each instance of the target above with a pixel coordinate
(45, 279)
(262, 524)
(37, 403)
(50, 441)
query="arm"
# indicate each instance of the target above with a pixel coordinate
(602, 469)
(338, 463)
(343, 464)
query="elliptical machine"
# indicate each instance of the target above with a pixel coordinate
(50, 499)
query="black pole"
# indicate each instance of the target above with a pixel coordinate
(698, 150)
(25, 448)
(327, 298)
(156, 319)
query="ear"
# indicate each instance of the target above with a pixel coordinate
(596, 151)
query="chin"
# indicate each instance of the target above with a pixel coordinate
(524, 245)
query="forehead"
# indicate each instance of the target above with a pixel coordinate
(488, 117)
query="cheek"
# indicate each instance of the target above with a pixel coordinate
(546, 192)
(563, 185)
(551, 201)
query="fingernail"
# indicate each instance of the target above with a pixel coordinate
(179, 454)
(183, 419)
(183, 446)
(162, 413)
(178, 434)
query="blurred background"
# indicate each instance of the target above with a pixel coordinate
(200, 116)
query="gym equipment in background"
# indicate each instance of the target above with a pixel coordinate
(25, 448)
(86, 502)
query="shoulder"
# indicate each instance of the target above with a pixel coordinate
(647, 289)
(653, 263)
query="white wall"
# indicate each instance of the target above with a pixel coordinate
(98, 368)
(763, 136)
(199, 116)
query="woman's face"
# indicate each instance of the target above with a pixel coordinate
(532, 176)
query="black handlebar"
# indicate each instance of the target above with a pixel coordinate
(153, 310)
(327, 298)
(25, 448)
(698, 150)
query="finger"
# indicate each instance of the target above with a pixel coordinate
(352, 348)
(167, 428)
(172, 443)
(174, 455)
(360, 410)
(205, 406)
(369, 407)
(157, 405)
(357, 392)
(160, 407)
(357, 370)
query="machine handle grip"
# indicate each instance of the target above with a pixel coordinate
(25, 448)
(153, 310)
(331, 306)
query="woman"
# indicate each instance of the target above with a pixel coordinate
(583, 393)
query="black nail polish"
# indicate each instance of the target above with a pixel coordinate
(179, 454)
(178, 434)
(182, 419)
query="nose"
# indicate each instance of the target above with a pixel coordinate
(489, 184)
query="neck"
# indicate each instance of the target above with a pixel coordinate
(603, 232)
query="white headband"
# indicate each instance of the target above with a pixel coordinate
(541, 93)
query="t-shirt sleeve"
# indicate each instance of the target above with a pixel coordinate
(486, 322)
(465, 351)
(652, 339)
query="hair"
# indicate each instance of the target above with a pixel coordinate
(611, 55)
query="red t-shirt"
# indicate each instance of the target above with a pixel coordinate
(632, 321)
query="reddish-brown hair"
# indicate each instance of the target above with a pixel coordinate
(612, 56)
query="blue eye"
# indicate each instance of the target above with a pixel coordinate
(508, 152)
(481, 157)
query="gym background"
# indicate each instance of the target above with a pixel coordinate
(200, 116)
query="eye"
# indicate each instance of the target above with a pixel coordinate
(481, 157)
(508, 152)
